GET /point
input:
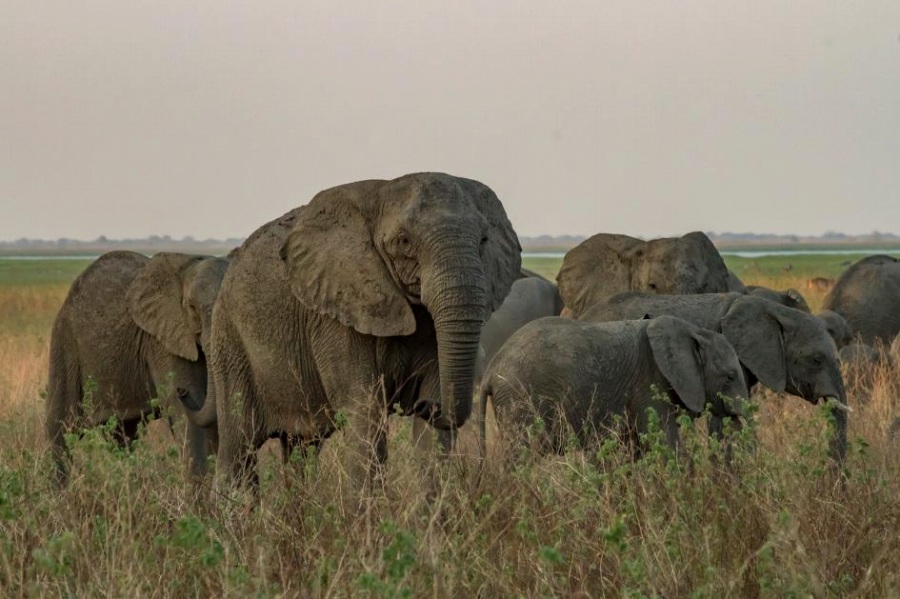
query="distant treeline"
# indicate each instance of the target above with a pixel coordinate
(147, 245)
(541, 243)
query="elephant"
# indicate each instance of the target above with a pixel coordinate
(735, 284)
(868, 295)
(578, 376)
(529, 299)
(837, 327)
(607, 264)
(786, 350)
(367, 301)
(790, 297)
(131, 327)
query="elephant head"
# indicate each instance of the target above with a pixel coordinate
(837, 327)
(701, 366)
(367, 252)
(789, 350)
(604, 265)
(172, 300)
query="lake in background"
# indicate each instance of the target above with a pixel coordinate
(560, 255)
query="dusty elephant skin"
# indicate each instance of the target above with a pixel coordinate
(364, 301)
(789, 297)
(837, 327)
(606, 264)
(868, 295)
(581, 375)
(782, 348)
(128, 324)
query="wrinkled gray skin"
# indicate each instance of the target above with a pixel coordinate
(837, 327)
(606, 264)
(787, 350)
(735, 284)
(868, 295)
(790, 297)
(591, 372)
(366, 300)
(127, 324)
(529, 298)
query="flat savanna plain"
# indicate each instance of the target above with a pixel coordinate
(779, 521)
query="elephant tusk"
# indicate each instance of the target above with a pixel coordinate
(836, 403)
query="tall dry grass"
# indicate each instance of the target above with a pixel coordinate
(778, 522)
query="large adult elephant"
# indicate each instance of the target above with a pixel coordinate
(786, 350)
(368, 300)
(867, 295)
(607, 264)
(131, 328)
(529, 298)
(579, 376)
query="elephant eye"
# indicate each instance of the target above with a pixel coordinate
(484, 240)
(402, 239)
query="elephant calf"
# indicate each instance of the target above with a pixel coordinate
(786, 350)
(581, 375)
(130, 326)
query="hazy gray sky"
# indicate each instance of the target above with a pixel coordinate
(130, 118)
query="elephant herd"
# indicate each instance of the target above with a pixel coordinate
(408, 296)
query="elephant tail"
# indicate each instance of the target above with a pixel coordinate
(204, 415)
(64, 394)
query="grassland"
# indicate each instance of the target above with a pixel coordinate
(780, 522)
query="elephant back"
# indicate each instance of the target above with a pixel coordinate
(598, 267)
(605, 265)
(867, 295)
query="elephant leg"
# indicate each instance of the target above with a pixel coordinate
(367, 443)
(64, 397)
(195, 451)
(241, 434)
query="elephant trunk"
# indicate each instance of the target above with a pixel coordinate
(455, 295)
(837, 448)
(203, 415)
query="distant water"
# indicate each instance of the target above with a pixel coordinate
(755, 253)
(560, 255)
(66, 257)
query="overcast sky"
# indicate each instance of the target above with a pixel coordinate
(131, 118)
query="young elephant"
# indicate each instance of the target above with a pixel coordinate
(582, 374)
(837, 327)
(130, 327)
(783, 348)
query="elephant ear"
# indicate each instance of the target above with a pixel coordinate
(154, 301)
(677, 353)
(501, 253)
(758, 338)
(334, 268)
(798, 299)
(596, 268)
(717, 276)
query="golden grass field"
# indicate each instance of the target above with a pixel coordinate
(778, 522)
